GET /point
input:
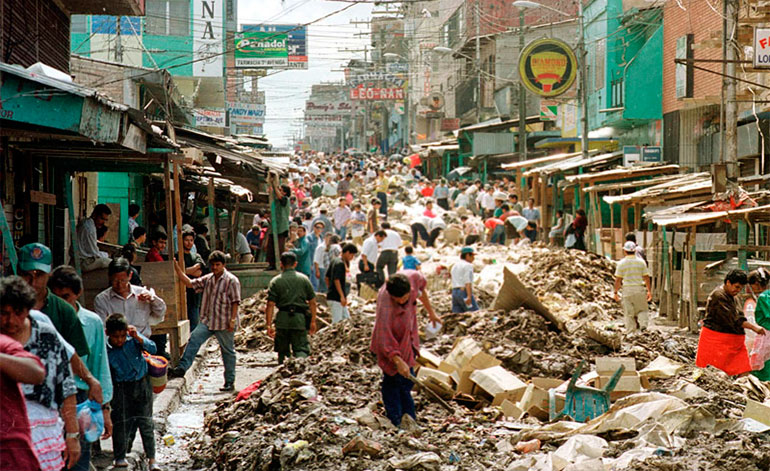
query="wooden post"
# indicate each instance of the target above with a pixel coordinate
(743, 240)
(271, 183)
(182, 312)
(169, 206)
(236, 225)
(73, 225)
(624, 225)
(684, 315)
(693, 324)
(212, 216)
(612, 229)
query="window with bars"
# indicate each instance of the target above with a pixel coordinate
(79, 24)
(167, 17)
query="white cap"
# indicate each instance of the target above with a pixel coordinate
(629, 246)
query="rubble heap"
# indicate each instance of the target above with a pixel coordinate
(497, 368)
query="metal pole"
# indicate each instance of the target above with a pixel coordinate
(118, 45)
(522, 97)
(478, 62)
(583, 82)
(731, 107)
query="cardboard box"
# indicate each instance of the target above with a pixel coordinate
(757, 411)
(499, 384)
(627, 385)
(479, 361)
(428, 359)
(607, 366)
(463, 350)
(424, 373)
(511, 410)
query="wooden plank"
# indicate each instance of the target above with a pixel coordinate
(736, 247)
(160, 277)
(41, 197)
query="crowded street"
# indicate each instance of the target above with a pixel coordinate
(429, 235)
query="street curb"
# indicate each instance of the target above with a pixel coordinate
(168, 401)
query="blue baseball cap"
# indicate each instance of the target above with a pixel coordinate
(466, 250)
(35, 256)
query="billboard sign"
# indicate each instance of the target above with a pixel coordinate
(317, 131)
(323, 120)
(211, 118)
(257, 49)
(361, 93)
(762, 48)
(372, 77)
(246, 113)
(208, 38)
(296, 41)
(547, 67)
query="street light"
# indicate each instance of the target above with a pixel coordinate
(583, 69)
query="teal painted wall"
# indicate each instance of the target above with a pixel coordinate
(179, 50)
(123, 189)
(644, 81)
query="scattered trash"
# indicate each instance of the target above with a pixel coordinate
(168, 439)
(528, 446)
(362, 445)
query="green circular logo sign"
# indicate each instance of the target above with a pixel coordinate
(547, 67)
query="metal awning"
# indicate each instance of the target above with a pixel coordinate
(687, 185)
(574, 163)
(551, 142)
(541, 160)
(696, 219)
(622, 172)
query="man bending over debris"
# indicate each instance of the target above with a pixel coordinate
(294, 295)
(722, 339)
(395, 340)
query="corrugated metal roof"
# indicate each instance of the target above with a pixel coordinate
(694, 219)
(573, 163)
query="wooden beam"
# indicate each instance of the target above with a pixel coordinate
(181, 291)
(736, 247)
(693, 324)
(212, 216)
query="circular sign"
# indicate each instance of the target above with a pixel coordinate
(547, 67)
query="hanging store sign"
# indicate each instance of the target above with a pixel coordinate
(762, 48)
(323, 120)
(547, 67)
(321, 132)
(360, 93)
(549, 110)
(296, 44)
(257, 49)
(246, 113)
(371, 77)
(328, 107)
(208, 38)
(210, 118)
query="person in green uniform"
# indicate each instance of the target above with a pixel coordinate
(301, 248)
(293, 295)
(758, 282)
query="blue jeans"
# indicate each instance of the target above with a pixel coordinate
(321, 283)
(397, 397)
(84, 463)
(458, 301)
(383, 197)
(498, 235)
(193, 308)
(342, 232)
(226, 346)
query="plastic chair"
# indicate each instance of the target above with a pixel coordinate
(583, 403)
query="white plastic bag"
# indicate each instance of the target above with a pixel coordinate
(760, 352)
(569, 241)
(431, 330)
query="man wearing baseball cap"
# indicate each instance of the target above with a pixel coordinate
(632, 273)
(462, 282)
(35, 266)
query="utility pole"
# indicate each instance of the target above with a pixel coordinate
(118, 45)
(583, 83)
(478, 61)
(730, 106)
(522, 97)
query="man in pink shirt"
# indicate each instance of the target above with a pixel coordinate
(395, 339)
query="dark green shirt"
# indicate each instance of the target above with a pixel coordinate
(288, 289)
(66, 321)
(316, 190)
(280, 211)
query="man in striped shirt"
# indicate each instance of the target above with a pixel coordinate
(218, 316)
(632, 273)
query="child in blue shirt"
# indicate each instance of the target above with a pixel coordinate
(410, 262)
(132, 394)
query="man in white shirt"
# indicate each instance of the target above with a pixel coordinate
(141, 307)
(330, 188)
(91, 258)
(388, 252)
(369, 251)
(313, 168)
(488, 202)
(462, 282)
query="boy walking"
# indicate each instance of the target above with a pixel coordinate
(132, 393)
